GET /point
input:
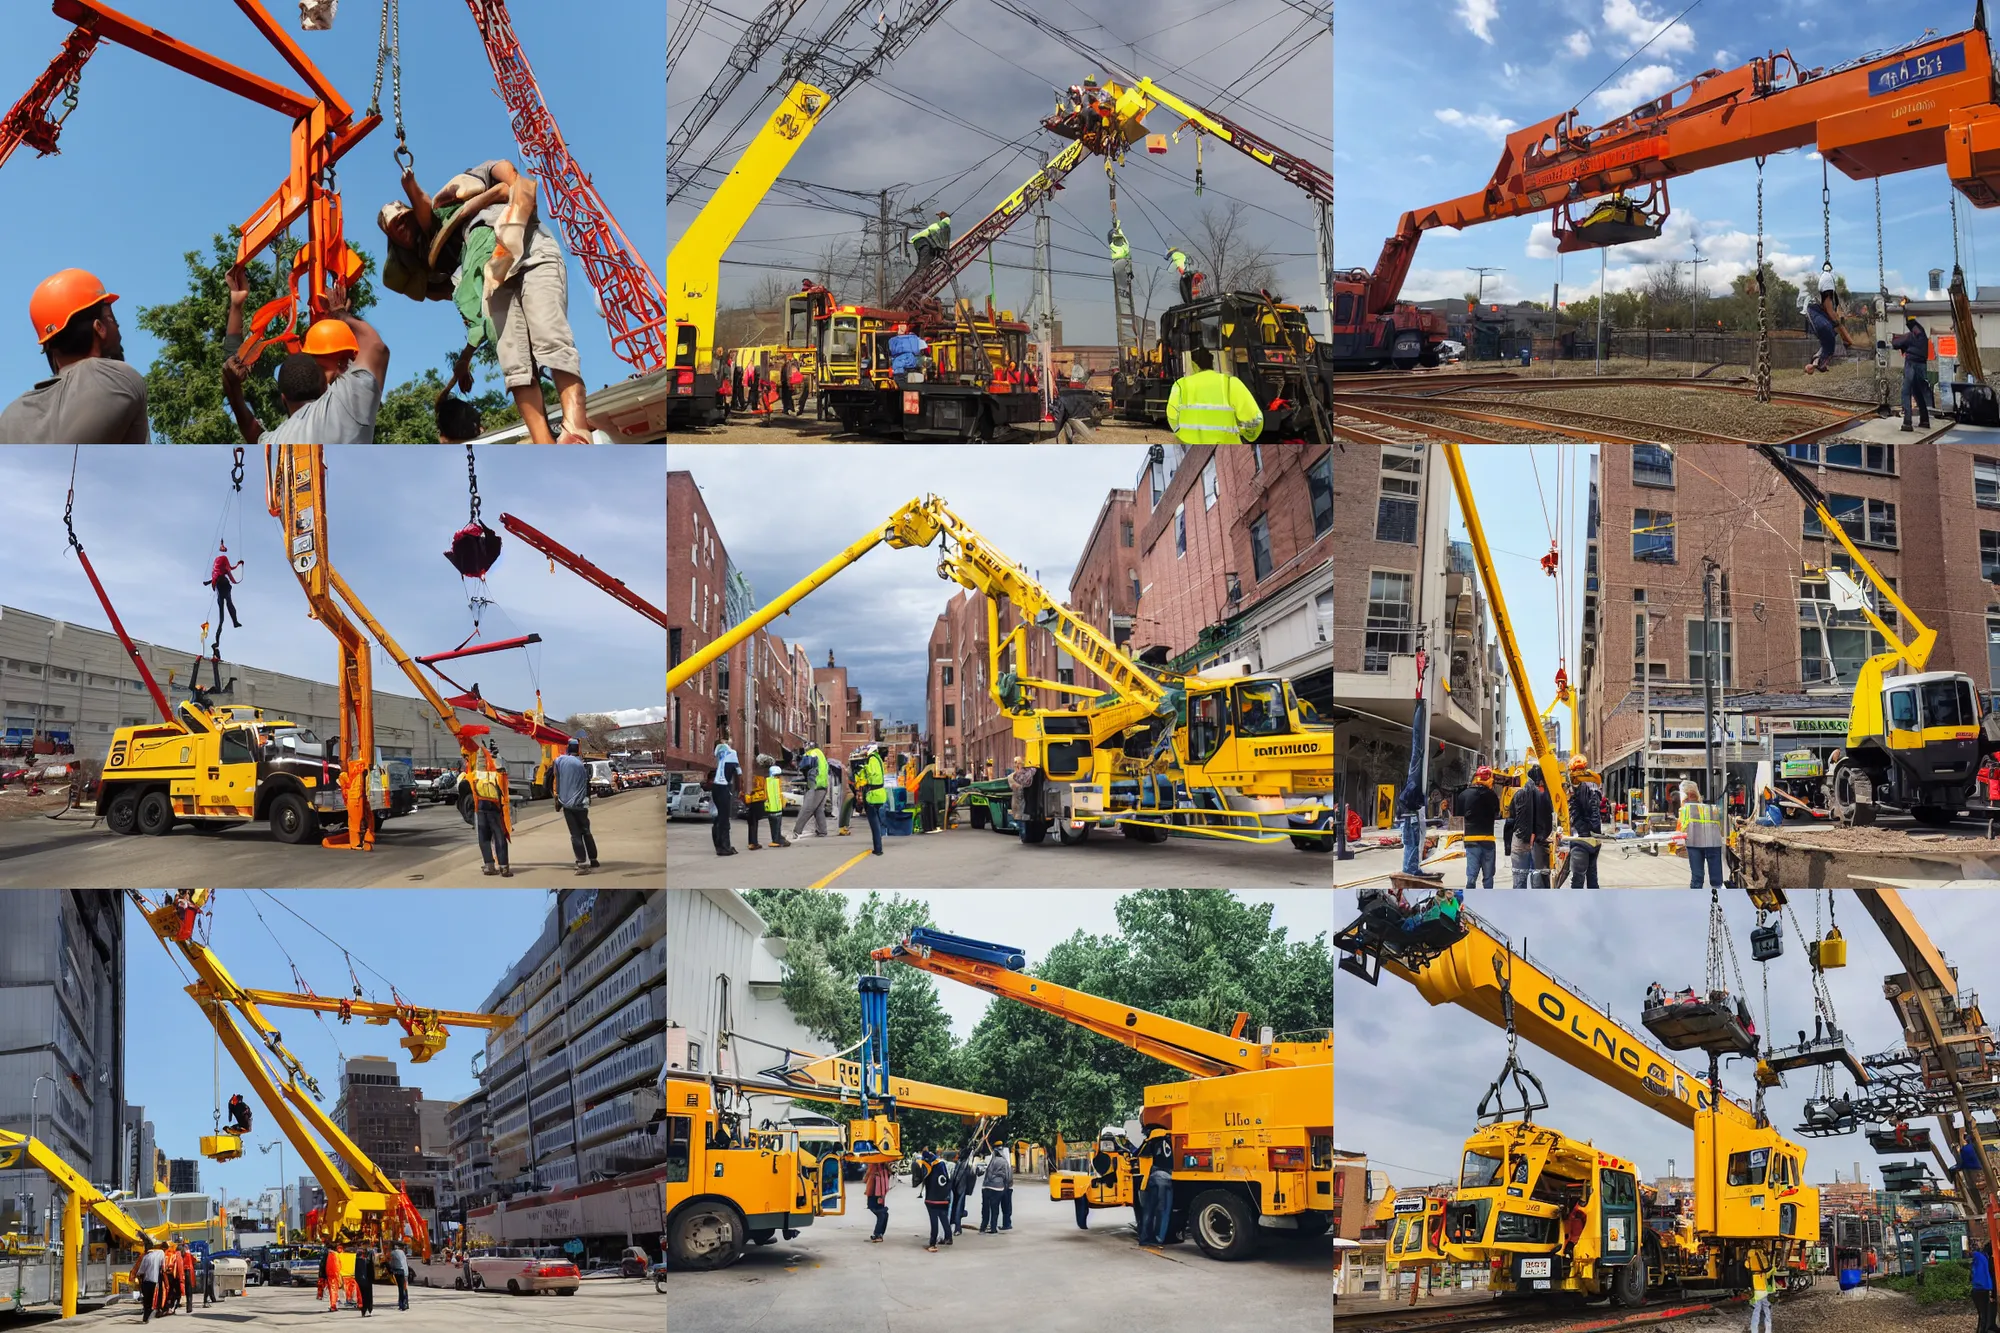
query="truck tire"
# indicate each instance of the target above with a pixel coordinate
(292, 819)
(706, 1236)
(1324, 844)
(1223, 1225)
(465, 807)
(1033, 828)
(1628, 1285)
(156, 814)
(122, 814)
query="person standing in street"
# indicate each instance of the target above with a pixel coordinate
(1586, 823)
(961, 1189)
(934, 1176)
(1700, 825)
(572, 787)
(1157, 1201)
(774, 804)
(493, 814)
(722, 790)
(876, 796)
(146, 1272)
(876, 1188)
(813, 768)
(1532, 817)
(1915, 345)
(364, 1279)
(1479, 806)
(996, 1194)
(399, 1268)
(190, 1275)
(1758, 1262)
(1982, 1288)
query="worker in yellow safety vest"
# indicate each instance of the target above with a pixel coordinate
(814, 804)
(933, 240)
(1700, 825)
(1210, 406)
(491, 814)
(774, 807)
(872, 804)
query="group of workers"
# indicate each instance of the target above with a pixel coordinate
(758, 391)
(862, 784)
(168, 1276)
(947, 1185)
(370, 1262)
(1151, 1164)
(478, 242)
(1823, 319)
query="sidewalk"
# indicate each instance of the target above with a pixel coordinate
(630, 829)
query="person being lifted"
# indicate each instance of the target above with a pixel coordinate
(932, 241)
(91, 395)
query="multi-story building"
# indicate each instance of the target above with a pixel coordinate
(725, 972)
(573, 1084)
(1666, 523)
(184, 1175)
(471, 1151)
(62, 1040)
(984, 736)
(698, 575)
(1400, 585)
(1104, 589)
(71, 685)
(136, 1151)
(901, 738)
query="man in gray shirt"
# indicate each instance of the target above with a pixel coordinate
(571, 780)
(91, 395)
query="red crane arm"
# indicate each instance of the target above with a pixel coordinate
(28, 123)
(926, 283)
(635, 304)
(510, 718)
(582, 568)
(1928, 104)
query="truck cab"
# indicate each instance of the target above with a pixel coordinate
(218, 766)
(728, 1185)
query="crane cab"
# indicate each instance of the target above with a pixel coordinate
(1914, 745)
(728, 1185)
(1750, 1185)
(1545, 1212)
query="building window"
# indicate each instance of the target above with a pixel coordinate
(1208, 483)
(1653, 535)
(1323, 617)
(950, 716)
(1989, 554)
(1816, 601)
(1867, 522)
(947, 674)
(1388, 633)
(694, 1057)
(1652, 465)
(1257, 450)
(1319, 486)
(1993, 646)
(1180, 531)
(1986, 483)
(1124, 532)
(1722, 648)
(1860, 457)
(1260, 546)
(1833, 656)
(673, 646)
(1402, 482)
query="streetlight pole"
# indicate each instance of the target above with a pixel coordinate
(279, 1144)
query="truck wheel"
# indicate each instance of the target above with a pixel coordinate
(292, 820)
(1223, 1225)
(465, 807)
(1069, 838)
(706, 1235)
(1628, 1285)
(1033, 829)
(1317, 844)
(122, 815)
(156, 813)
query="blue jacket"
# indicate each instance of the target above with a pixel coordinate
(572, 781)
(1915, 345)
(1968, 1156)
(906, 351)
(1982, 1271)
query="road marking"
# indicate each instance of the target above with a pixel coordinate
(851, 862)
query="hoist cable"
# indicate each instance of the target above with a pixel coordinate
(389, 53)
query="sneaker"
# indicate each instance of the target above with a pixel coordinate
(506, 872)
(581, 866)
(756, 846)
(1906, 426)
(781, 843)
(843, 833)
(489, 870)
(878, 852)
(727, 851)
(593, 863)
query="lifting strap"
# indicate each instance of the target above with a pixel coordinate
(389, 53)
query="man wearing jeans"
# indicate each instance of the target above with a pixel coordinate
(571, 780)
(399, 1265)
(1479, 806)
(1700, 825)
(1157, 1202)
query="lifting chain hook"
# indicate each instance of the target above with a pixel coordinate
(236, 470)
(472, 484)
(1763, 307)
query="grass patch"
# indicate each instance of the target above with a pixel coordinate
(1940, 1284)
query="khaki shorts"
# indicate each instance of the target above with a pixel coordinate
(530, 313)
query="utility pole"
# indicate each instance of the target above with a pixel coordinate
(882, 248)
(1694, 317)
(1046, 295)
(1479, 292)
(1709, 665)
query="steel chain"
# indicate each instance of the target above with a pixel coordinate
(389, 55)
(1825, 221)
(472, 484)
(236, 470)
(1881, 306)
(1763, 307)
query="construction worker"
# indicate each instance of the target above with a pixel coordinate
(239, 1114)
(1700, 825)
(491, 814)
(1209, 406)
(906, 352)
(570, 779)
(1586, 823)
(1757, 1262)
(221, 579)
(1178, 258)
(1156, 1158)
(1479, 806)
(1915, 345)
(1531, 815)
(932, 241)
(812, 767)
(351, 363)
(91, 395)
(774, 803)
(874, 794)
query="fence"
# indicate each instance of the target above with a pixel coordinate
(1789, 350)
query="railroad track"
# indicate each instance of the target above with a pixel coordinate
(1498, 1316)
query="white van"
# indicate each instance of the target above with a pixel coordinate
(603, 777)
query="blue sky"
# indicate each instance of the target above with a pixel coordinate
(155, 161)
(1485, 67)
(988, 79)
(148, 516)
(1516, 488)
(444, 948)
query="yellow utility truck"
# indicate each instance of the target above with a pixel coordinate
(728, 1185)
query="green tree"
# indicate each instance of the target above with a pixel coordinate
(409, 411)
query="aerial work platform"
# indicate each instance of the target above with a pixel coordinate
(1686, 1022)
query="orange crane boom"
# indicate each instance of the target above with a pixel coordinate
(1929, 104)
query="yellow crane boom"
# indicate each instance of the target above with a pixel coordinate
(82, 1194)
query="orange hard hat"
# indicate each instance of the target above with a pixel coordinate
(56, 301)
(329, 336)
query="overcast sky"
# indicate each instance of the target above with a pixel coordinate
(785, 510)
(1484, 68)
(1017, 918)
(148, 517)
(1410, 1076)
(918, 133)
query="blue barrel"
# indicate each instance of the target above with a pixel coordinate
(1850, 1278)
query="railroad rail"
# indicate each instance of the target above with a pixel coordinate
(1478, 1318)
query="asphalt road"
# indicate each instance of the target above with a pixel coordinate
(599, 1306)
(967, 858)
(433, 847)
(1044, 1276)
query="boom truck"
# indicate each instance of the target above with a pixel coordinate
(1252, 1124)
(371, 1206)
(729, 1185)
(1928, 103)
(80, 1196)
(1255, 761)
(1519, 1180)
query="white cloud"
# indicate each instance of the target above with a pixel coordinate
(1723, 60)
(1633, 22)
(1481, 122)
(1726, 254)
(1813, 156)
(1638, 86)
(1577, 43)
(1509, 71)
(1425, 158)
(1431, 284)
(1478, 16)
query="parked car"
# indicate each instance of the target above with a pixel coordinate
(690, 802)
(604, 777)
(634, 1262)
(1451, 350)
(523, 1271)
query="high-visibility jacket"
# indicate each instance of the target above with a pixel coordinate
(774, 795)
(487, 786)
(1702, 823)
(819, 774)
(1178, 259)
(872, 776)
(1210, 407)
(939, 231)
(1759, 1265)
(1120, 247)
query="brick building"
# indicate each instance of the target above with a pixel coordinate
(1400, 583)
(697, 573)
(1928, 520)
(956, 688)
(901, 738)
(1104, 590)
